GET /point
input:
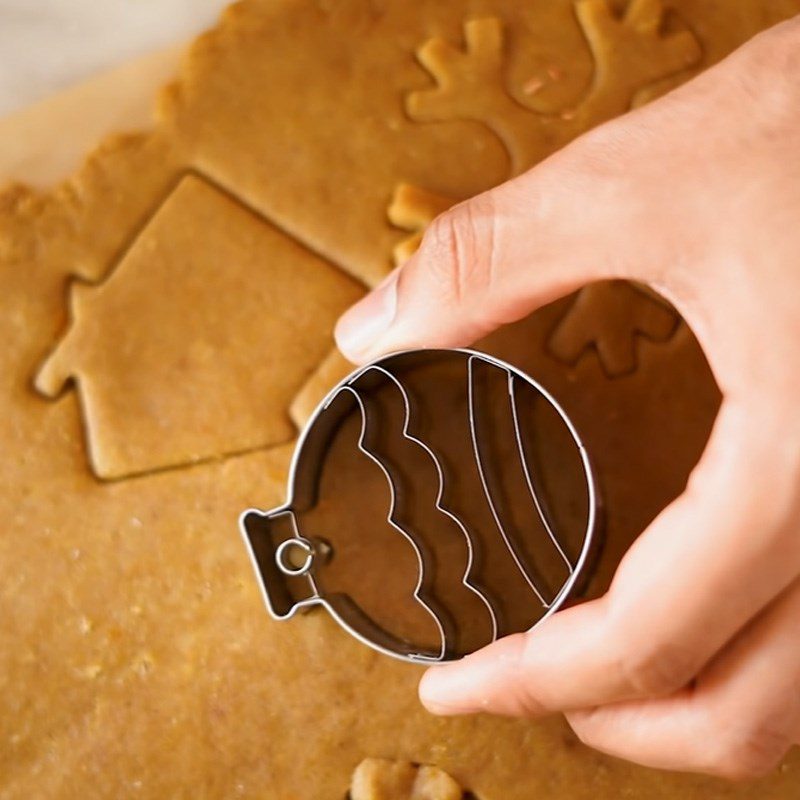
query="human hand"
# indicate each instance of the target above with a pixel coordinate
(691, 660)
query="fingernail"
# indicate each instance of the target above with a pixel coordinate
(362, 326)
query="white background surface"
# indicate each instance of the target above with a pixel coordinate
(46, 45)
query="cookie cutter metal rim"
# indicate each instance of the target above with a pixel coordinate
(414, 658)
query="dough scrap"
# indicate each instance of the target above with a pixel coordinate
(383, 779)
(413, 209)
(331, 371)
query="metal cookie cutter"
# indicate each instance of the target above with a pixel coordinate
(437, 500)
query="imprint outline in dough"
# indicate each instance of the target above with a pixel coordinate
(194, 369)
(470, 84)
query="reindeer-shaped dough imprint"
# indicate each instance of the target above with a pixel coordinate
(630, 52)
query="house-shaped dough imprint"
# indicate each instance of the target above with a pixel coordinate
(195, 345)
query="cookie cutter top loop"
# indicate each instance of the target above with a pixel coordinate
(283, 554)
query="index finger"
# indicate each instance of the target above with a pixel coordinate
(706, 566)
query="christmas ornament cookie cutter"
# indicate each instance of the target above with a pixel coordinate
(291, 559)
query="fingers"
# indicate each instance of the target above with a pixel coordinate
(492, 259)
(696, 577)
(602, 208)
(739, 720)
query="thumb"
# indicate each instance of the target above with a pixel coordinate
(495, 258)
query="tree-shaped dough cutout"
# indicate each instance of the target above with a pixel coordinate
(385, 779)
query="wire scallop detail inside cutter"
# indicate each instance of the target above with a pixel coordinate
(498, 532)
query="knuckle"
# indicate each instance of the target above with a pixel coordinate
(655, 669)
(750, 752)
(458, 250)
(524, 702)
(584, 730)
